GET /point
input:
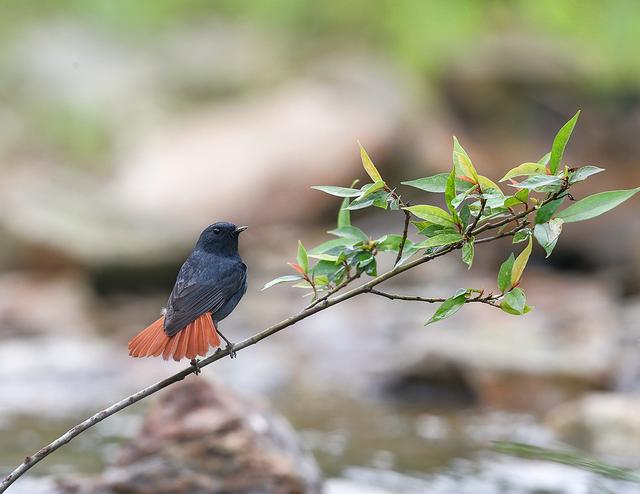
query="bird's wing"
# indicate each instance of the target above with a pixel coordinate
(188, 302)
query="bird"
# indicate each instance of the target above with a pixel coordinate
(208, 287)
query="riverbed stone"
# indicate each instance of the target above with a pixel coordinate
(203, 438)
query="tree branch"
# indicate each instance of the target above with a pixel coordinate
(405, 232)
(489, 299)
(319, 305)
(483, 203)
(325, 303)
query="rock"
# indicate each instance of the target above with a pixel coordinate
(227, 161)
(41, 375)
(32, 304)
(606, 423)
(491, 474)
(566, 346)
(201, 438)
(231, 160)
(627, 377)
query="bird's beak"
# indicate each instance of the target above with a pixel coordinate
(240, 229)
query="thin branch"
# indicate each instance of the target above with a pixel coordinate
(405, 232)
(333, 291)
(510, 233)
(319, 305)
(483, 203)
(32, 460)
(488, 299)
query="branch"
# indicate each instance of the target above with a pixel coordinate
(483, 203)
(323, 304)
(489, 299)
(405, 232)
(319, 305)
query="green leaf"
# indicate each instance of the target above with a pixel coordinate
(409, 251)
(344, 215)
(438, 240)
(325, 257)
(520, 197)
(525, 169)
(560, 142)
(546, 211)
(350, 232)
(462, 162)
(515, 302)
(281, 279)
(547, 234)
(321, 280)
(434, 183)
(449, 307)
(583, 173)
(369, 189)
(302, 258)
(432, 214)
(368, 165)
(521, 235)
(539, 183)
(378, 198)
(467, 252)
(390, 242)
(545, 159)
(595, 205)
(429, 229)
(329, 269)
(489, 187)
(520, 263)
(504, 275)
(332, 244)
(337, 191)
(450, 192)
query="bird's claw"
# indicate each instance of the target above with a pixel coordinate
(195, 363)
(230, 349)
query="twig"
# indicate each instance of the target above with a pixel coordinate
(333, 291)
(32, 460)
(483, 203)
(489, 299)
(405, 232)
(319, 305)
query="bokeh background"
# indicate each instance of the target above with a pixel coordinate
(127, 127)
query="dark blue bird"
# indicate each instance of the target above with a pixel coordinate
(210, 284)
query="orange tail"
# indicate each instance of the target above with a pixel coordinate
(194, 339)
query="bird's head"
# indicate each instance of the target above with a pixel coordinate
(221, 237)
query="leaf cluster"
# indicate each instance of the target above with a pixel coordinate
(529, 206)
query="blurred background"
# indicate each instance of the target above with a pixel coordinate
(128, 127)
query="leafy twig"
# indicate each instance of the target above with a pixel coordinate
(405, 232)
(489, 299)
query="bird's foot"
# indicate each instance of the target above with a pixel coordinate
(195, 363)
(230, 349)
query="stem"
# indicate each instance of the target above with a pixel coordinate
(405, 232)
(323, 304)
(489, 299)
(483, 203)
(318, 305)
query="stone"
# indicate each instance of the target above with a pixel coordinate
(202, 438)
(32, 305)
(567, 345)
(606, 423)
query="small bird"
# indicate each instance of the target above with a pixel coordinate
(210, 284)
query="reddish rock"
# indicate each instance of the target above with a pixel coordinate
(201, 438)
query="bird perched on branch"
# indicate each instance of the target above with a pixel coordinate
(210, 284)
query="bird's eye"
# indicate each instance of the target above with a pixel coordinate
(216, 231)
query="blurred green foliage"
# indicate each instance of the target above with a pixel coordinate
(422, 34)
